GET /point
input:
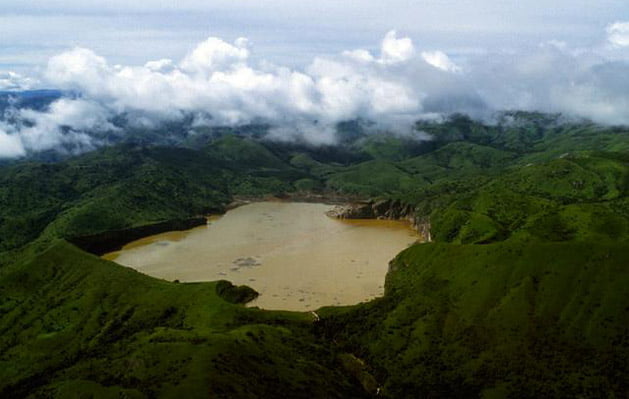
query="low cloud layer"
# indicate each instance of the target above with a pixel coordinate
(217, 79)
(217, 83)
(14, 81)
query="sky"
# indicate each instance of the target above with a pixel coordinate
(290, 32)
(303, 66)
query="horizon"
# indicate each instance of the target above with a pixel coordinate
(306, 69)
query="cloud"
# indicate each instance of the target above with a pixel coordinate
(618, 34)
(162, 65)
(68, 126)
(599, 92)
(396, 50)
(215, 54)
(10, 145)
(220, 83)
(218, 78)
(440, 60)
(11, 81)
(586, 83)
(305, 132)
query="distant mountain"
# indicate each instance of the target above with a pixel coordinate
(32, 99)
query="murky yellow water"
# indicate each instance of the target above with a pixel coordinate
(295, 256)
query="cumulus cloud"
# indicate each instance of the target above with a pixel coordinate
(14, 81)
(215, 55)
(162, 65)
(217, 78)
(440, 60)
(396, 50)
(218, 83)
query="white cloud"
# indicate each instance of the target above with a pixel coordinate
(218, 78)
(288, 32)
(10, 145)
(162, 65)
(359, 55)
(219, 83)
(308, 132)
(618, 34)
(78, 114)
(395, 50)
(63, 127)
(79, 68)
(215, 54)
(14, 81)
(65, 124)
(440, 60)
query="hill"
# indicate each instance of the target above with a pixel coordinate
(75, 325)
(521, 294)
(510, 319)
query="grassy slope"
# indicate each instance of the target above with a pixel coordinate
(128, 186)
(115, 188)
(511, 319)
(558, 200)
(74, 324)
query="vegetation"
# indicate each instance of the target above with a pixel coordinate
(521, 294)
(510, 319)
(74, 325)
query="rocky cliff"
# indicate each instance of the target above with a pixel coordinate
(383, 209)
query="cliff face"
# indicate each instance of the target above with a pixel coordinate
(384, 209)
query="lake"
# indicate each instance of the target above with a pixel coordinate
(294, 255)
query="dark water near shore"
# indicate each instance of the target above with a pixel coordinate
(292, 253)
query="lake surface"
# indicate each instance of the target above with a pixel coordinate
(294, 255)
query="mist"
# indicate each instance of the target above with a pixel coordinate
(221, 83)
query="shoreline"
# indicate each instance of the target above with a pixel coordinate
(263, 262)
(113, 240)
(327, 199)
(345, 207)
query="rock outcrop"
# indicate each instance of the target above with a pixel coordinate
(383, 209)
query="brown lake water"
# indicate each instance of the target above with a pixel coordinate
(294, 255)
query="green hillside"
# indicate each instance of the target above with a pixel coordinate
(522, 293)
(74, 325)
(512, 319)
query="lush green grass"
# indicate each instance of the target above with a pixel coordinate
(522, 294)
(372, 178)
(73, 324)
(559, 200)
(112, 189)
(511, 319)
